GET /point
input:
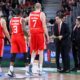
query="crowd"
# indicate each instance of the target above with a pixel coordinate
(8, 6)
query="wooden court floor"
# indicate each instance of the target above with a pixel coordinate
(50, 75)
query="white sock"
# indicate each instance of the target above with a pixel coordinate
(40, 67)
(27, 68)
(11, 68)
(32, 58)
(0, 69)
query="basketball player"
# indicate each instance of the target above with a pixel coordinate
(18, 42)
(3, 33)
(38, 30)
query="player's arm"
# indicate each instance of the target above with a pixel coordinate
(10, 30)
(26, 19)
(24, 27)
(43, 19)
(4, 26)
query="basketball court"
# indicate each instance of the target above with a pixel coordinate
(50, 74)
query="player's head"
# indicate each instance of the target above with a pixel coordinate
(17, 11)
(38, 6)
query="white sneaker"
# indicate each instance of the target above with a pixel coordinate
(11, 74)
(40, 71)
(27, 74)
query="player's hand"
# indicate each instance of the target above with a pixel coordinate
(53, 36)
(60, 37)
(48, 39)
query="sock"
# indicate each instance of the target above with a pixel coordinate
(27, 68)
(11, 68)
(32, 58)
(40, 67)
(0, 69)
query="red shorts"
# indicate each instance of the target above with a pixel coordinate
(18, 44)
(1, 47)
(37, 42)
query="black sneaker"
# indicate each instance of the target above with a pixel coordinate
(59, 69)
(74, 69)
(40, 73)
(65, 71)
(11, 74)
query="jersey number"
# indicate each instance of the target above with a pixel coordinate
(14, 29)
(34, 21)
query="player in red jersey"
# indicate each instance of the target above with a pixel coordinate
(18, 42)
(3, 33)
(38, 30)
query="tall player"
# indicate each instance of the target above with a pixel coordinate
(38, 30)
(3, 33)
(18, 42)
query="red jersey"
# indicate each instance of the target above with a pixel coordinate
(35, 23)
(18, 42)
(16, 26)
(1, 30)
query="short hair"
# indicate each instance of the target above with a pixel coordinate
(37, 5)
(60, 14)
(78, 18)
(16, 11)
(52, 21)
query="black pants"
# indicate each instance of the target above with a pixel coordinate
(79, 56)
(65, 57)
(75, 54)
(64, 51)
(58, 50)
